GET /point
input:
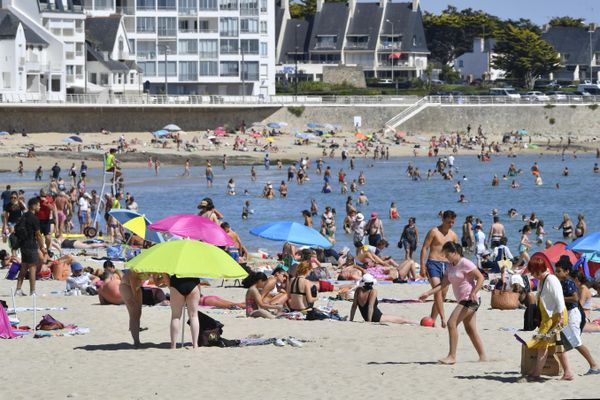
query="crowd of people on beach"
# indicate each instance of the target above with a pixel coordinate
(40, 228)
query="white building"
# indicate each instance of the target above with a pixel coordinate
(478, 63)
(31, 60)
(224, 47)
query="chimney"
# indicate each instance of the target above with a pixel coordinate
(415, 5)
(352, 7)
(478, 45)
(320, 5)
(382, 3)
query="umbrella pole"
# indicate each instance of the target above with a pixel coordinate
(183, 324)
(34, 313)
(12, 294)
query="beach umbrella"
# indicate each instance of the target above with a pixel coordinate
(293, 232)
(191, 226)
(220, 131)
(360, 136)
(172, 128)
(312, 125)
(270, 139)
(73, 139)
(136, 223)
(274, 125)
(400, 135)
(160, 133)
(305, 135)
(589, 245)
(187, 259)
(256, 135)
(328, 127)
(2, 133)
(523, 132)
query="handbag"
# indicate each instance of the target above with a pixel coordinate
(533, 315)
(504, 300)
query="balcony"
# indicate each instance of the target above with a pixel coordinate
(146, 56)
(325, 46)
(167, 32)
(187, 11)
(188, 30)
(245, 12)
(209, 30)
(357, 46)
(388, 46)
(126, 10)
(69, 55)
(188, 77)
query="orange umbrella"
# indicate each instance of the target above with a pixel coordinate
(360, 136)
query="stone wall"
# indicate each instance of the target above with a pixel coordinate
(338, 75)
(558, 120)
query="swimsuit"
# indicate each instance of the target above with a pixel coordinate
(364, 311)
(436, 269)
(185, 286)
(68, 244)
(470, 304)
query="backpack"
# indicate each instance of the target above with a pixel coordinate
(20, 235)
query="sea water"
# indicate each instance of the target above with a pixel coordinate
(387, 181)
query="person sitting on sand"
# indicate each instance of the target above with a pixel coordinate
(301, 293)
(466, 281)
(81, 280)
(255, 306)
(274, 290)
(585, 299)
(365, 299)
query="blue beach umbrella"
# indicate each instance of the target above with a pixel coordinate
(123, 216)
(293, 232)
(523, 132)
(304, 135)
(589, 245)
(160, 133)
(274, 125)
(2, 133)
(312, 125)
(73, 139)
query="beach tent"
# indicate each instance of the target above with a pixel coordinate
(73, 139)
(589, 247)
(160, 133)
(552, 254)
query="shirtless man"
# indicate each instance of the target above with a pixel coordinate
(62, 202)
(496, 233)
(437, 264)
(238, 250)
(363, 199)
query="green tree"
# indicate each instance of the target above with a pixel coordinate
(524, 55)
(306, 9)
(567, 21)
(449, 74)
(451, 33)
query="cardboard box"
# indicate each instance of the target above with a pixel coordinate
(529, 357)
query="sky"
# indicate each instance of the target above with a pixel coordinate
(539, 11)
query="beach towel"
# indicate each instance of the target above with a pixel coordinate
(400, 301)
(5, 327)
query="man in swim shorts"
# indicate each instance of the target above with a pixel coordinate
(436, 264)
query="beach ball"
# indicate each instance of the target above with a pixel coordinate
(428, 322)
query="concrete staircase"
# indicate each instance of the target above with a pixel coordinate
(408, 113)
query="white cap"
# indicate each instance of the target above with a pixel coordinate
(368, 278)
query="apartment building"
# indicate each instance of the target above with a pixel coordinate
(213, 47)
(384, 38)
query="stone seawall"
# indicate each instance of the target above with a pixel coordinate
(583, 120)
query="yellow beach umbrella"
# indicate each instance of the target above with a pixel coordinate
(187, 259)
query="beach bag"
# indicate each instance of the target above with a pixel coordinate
(504, 300)
(210, 331)
(533, 315)
(48, 323)
(13, 271)
(315, 315)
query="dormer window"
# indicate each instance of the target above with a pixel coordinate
(326, 42)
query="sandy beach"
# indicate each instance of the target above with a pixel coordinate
(339, 360)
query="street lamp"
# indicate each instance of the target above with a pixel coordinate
(392, 55)
(591, 32)
(296, 62)
(167, 50)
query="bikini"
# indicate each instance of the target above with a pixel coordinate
(295, 289)
(185, 286)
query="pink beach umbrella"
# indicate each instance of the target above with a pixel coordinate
(220, 131)
(195, 227)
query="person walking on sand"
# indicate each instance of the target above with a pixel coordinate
(436, 263)
(466, 281)
(32, 244)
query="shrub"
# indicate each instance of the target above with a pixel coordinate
(593, 106)
(549, 106)
(552, 121)
(297, 111)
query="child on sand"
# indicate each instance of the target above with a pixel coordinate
(466, 281)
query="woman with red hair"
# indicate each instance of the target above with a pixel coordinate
(554, 319)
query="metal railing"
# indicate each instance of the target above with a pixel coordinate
(504, 100)
(148, 99)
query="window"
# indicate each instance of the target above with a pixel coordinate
(132, 45)
(229, 46)
(94, 78)
(146, 49)
(187, 7)
(208, 68)
(249, 7)
(208, 5)
(166, 4)
(264, 49)
(146, 25)
(228, 27)
(230, 68)
(188, 46)
(461, 64)
(186, 25)
(326, 42)
(228, 4)
(171, 68)
(250, 71)
(263, 6)
(146, 4)
(148, 68)
(167, 26)
(263, 26)
(164, 45)
(104, 79)
(208, 48)
(55, 87)
(249, 25)
(188, 71)
(131, 78)
(6, 80)
(249, 46)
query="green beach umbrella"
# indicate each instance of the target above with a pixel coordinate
(187, 259)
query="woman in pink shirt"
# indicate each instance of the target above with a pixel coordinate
(466, 282)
